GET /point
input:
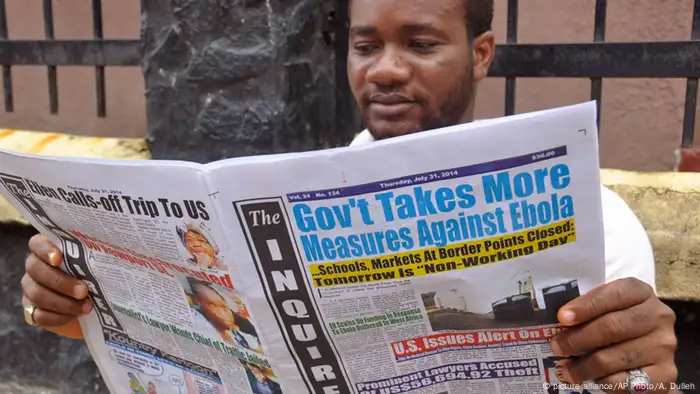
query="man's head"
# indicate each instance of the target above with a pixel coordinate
(413, 64)
(197, 243)
(257, 372)
(212, 305)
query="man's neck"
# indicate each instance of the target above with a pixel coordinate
(365, 137)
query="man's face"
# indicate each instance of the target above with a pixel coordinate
(258, 373)
(214, 307)
(196, 243)
(410, 64)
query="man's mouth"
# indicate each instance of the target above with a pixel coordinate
(390, 105)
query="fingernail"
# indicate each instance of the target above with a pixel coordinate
(87, 307)
(562, 377)
(562, 372)
(52, 259)
(80, 290)
(567, 316)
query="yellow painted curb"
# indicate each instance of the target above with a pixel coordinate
(668, 205)
(54, 144)
(683, 182)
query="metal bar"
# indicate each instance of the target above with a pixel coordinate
(6, 68)
(99, 70)
(601, 7)
(668, 59)
(48, 19)
(511, 38)
(691, 103)
(51, 70)
(691, 90)
(70, 52)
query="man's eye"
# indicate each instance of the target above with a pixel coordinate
(364, 48)
(423, 45)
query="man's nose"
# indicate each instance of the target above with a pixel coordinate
(389, 69)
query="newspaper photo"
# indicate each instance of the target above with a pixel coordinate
(430, 263)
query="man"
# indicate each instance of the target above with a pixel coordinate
(414, 65)
(204, 253)
(214, 316)
(260, 381)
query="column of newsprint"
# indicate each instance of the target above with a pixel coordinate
(148, 332)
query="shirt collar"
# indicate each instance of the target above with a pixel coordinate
(365, 137)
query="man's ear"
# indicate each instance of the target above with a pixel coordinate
(483, 50)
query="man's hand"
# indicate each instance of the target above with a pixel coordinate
(59, 298)
(619, 326)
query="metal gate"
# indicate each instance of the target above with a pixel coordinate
(595, 61)
(97, 52)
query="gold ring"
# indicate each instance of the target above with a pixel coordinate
(29, 314)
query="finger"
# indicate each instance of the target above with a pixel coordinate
(622, 357)
(50, 301)
(608, 329)
(610, 297)
(661, 376)
(71, 330)
(55, 279)
(45, 250)
(46, 318)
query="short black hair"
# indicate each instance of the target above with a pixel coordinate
(479, 16)
(195, 283)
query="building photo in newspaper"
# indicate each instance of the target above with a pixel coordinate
(517, 304)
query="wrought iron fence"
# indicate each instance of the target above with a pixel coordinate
(96, 52)
(596, 60)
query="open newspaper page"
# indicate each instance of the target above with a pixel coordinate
(431, 263)
(145, 237)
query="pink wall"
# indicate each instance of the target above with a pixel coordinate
(641, 121)
(77, 103)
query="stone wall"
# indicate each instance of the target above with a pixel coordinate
(238, 77)
(667, 204)
(34, 361)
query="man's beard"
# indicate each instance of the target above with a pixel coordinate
(450, 113)
(453, 107)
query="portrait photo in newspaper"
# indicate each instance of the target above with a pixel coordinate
(219, 312)
(199, 243)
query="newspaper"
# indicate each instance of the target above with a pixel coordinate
(430, 263)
